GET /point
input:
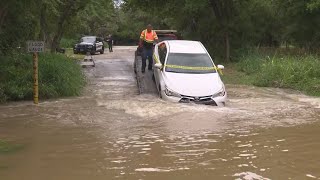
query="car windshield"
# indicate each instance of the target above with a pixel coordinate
(88, 39)
(189, 63)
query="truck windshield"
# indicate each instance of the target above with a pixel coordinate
(189, 63)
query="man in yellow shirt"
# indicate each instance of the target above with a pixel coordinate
(147, 38)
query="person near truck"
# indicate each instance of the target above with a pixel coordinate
(147, 38)
(110, 42)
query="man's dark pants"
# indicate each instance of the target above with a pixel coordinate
(147, 53)
(110, 47)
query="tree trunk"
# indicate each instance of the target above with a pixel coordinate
(62, 19)
(57, 37)
(227, 47)
(3, 14)
(43, 25)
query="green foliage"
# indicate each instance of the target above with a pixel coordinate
(297, 72)
(58, 76)
(97, 18)
(68, 43)
(248, 23)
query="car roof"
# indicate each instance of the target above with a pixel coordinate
(184, 46)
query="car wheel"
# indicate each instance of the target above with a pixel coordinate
(75, 52)
(93, 53)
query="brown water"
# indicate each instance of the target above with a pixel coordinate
(113, 133)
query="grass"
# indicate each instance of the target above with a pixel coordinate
(67, 43)
(231, 75)
(69, 53)
(59, 76)
(300, 72)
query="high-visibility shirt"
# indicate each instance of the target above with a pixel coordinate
(148, 37)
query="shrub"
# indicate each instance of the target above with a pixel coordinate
(296, 72)
(58, 76)
(67, 43)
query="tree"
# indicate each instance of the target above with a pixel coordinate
(67, 10)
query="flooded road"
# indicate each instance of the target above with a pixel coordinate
(111, 132)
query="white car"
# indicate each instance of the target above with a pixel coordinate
(184, 72)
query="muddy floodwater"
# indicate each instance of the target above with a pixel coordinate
(111, 132)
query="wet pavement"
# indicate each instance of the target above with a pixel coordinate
(111, 132)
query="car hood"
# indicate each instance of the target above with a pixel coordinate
(85, 43)
(193, 84)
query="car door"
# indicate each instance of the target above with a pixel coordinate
(155, 61)
(98, 44)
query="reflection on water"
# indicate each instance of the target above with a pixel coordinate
(112, 133)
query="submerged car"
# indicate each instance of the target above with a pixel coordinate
(91, 44)
(184, 72)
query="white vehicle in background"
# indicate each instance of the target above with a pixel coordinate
(184, 72)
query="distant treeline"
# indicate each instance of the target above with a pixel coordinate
(231, 25)
(224, 26)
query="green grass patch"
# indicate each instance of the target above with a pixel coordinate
(231, 75)
(69, 53)
(59, 76)
(67, 43)
(6, 147)
(300, 73)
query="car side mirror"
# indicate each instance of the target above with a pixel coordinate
(158, 65)
(221, 67)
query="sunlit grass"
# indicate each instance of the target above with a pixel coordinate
(69, 53)
(300, 73)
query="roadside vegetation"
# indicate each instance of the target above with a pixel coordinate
(58, 76)
(282, 70)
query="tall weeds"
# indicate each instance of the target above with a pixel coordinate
(58, 76)
(284, 71)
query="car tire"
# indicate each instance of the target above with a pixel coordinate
(75, 52)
